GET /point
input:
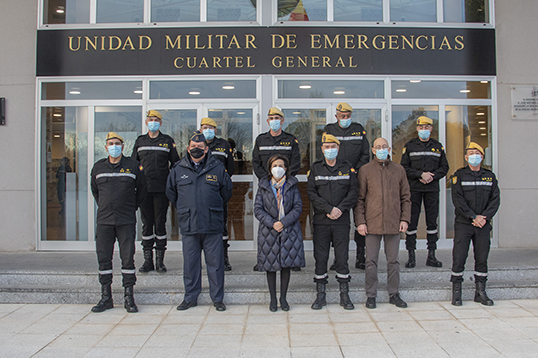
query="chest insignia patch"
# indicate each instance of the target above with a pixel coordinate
(211, 177)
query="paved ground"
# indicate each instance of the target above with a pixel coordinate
(428, 329)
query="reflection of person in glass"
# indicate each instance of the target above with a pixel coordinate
(425, 163)
(61, 176)
(119, 187)
(476, 197)
(222, 151)
(198, 186)
(355, 149)
(157, 153)
(275, 141)
(278, 206)
(332, 189)
(382, 212)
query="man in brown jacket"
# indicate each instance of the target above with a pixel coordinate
(383, 211)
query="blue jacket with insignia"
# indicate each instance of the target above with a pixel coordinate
(199, 195)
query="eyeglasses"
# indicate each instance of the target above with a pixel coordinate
(384, 146)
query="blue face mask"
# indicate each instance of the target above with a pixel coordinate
(154, 126)
(209, 134)
(114, 150)
(382, 154)
(474, 160)
(274, 125)
(424, 134)
(344, 123)
(331, 153)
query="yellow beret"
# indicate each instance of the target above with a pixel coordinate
(274, 110)
(329, 138)
(154, 113)
(344, 107)
(473, 145)
(423, 120)
(112, 135)
(209, 122)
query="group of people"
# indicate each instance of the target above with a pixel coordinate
(384, 197)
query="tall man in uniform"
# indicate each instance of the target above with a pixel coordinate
(199, 186)
(221, 150)
(383, 211)
(332, 190)
(157, 153)
(476, 197)
(355, 149)
(119, 188)
(425, 163)
(275, 141)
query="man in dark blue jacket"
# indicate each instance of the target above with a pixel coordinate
(199, 186)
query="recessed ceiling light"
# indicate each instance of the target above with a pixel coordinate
(60, 10)
(138, 91)
(74, 92)
(484, 81)
(483, 128)
(339, 92)
(465, 91)
(415, 81)
(228, 87)
(214, 110)
(401, 90)
(305, 87)
(56, 136)
(482, 122)
(240, 112)
(480, 114)
(57, 115)
(483, 134)
(296, 112)
(194, 92)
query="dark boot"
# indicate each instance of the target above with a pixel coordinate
(480, 295)
(361, 260)
(159, 261)
(227, 265)
(321, 295)
(412, 261)
(456, 294)
(106, 300)
(148, 262)
(129, 304)
(432, 260)
(345, 301)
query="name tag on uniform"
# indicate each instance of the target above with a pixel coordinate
(211, 177)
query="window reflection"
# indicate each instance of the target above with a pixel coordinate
(231, 10)
(92, 90)
(202, 89)
(413, 10)
(126, 121)
(175, 10)
(330, 89)
(112, 11)
(302, 10)
(352, 10)
(465, 11)
(441, 89)
(66, 11)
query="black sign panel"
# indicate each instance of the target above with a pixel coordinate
(266, 50)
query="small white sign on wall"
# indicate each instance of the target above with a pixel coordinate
(525, 102)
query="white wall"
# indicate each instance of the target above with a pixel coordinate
(517, 64)
(17, 137)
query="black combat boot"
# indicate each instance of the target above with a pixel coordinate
(432, 260)
(361, 260)
(345, 301)
(227, 265)
(456, 294)
(159, 261)
(480, 295)
(106, 299)
(129, 304)
(321, 299)
(412, 261)
(148, 261)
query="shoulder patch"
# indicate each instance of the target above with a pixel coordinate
(352, 170)
(404, 149)
(296, 141)
(308, 173)
(454, 180)
(141, 168)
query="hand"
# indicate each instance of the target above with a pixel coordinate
(278, 226)
(362, 229)
(479, 221)
(336, 213)
(427, 177)
(403, 226)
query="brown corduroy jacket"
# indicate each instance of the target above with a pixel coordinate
(384, 197)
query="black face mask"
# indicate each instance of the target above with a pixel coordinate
(196, 153)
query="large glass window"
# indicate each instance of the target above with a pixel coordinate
(466, 11)
(330, 89)
(92, 90)
(231, 10)
(352, 10)
(202, 89)
(117, 11)
(441, 89)
(413, 10)
(302, 10)
(175, 10)
(66, 11)
(65, 175)
(126, 121)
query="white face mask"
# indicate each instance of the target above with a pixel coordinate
(278, 172)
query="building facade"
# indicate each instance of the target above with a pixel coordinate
(76, 69)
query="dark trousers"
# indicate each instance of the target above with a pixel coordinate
(431, 207)
(338, 235)
(192, 265)
(225, 213)
(463, 236)
(360, 241)
(105, 239)
(153, 212)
